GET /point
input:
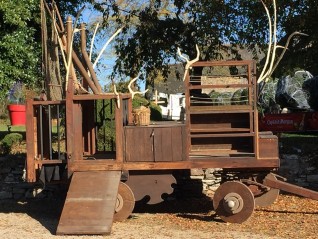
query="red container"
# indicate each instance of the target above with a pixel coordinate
(17, 114)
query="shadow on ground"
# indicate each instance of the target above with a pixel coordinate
(46, 211)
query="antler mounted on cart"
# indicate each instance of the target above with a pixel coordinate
(189, 62)
(134, 92)
(270, 64)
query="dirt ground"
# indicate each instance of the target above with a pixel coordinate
(288, 217)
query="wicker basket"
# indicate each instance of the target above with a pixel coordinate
(141, 116)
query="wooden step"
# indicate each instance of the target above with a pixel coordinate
(218, 135)
(90, 203)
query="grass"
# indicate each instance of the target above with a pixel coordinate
(16, 128)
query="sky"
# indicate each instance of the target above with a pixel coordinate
(107, 61)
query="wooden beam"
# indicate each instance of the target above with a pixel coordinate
(30, 141)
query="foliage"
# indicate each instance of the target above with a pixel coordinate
(154, 31)
(8, 141)
(105, 123)
(19, 43)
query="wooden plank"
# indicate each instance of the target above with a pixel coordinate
(103, 96)
(194, 161)
(177, 144)
(268, 146)
(222, 63)
(163, 144)
(119, 131)
(77, 127)
(287, 187)
(227, 86)
(222, 153)
(219, 135)
(234, 109)
(31, 135)
(90, 203)
(139, 144)
(217, 129)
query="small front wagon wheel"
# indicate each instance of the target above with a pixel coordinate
(234, 202)
(125, 202)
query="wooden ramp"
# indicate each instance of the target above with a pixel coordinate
(90, 203)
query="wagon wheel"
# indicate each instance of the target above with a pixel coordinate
(234, 202)
(125, 203)
(267, 198)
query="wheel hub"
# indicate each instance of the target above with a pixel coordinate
(233, 203)
(119, 203)
(125, 203)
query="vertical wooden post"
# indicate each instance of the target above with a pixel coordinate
(254, 80)
(187, 110)
(30, 141)
(69, 100)
(119, 133)
(77, 127)
(129, 109)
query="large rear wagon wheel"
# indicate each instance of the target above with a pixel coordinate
(234, 202)
(125, 203)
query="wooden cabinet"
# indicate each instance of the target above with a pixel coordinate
(158, 143)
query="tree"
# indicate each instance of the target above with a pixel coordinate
(19, 43)
(150, 42)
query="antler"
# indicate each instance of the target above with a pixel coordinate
(265, 72)
(271, 51)
(189, 62)
(116, 93)
(106, 44)
(135, 92)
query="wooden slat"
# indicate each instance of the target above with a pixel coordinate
(221, 135)
(139, 144)
(221, 153)
(90, 203)
(101, 96)
(163, 144)
(218, 129)
(168, 144)
(227, 86)
(201, 162)
(220, 109)
(222, 63)
(177, 143)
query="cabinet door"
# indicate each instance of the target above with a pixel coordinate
(168, 144)
(139, 144)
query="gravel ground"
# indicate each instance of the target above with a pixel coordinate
(288, 217)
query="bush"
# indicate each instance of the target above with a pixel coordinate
(8, 141)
